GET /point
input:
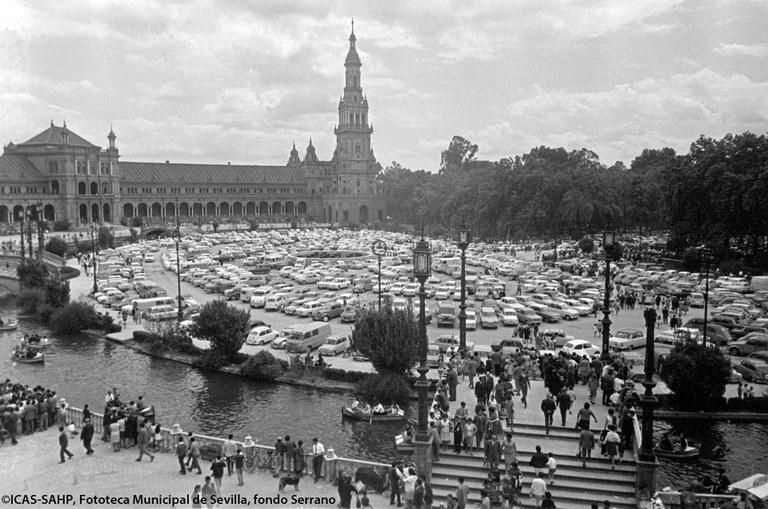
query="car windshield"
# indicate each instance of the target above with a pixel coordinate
(625, 334)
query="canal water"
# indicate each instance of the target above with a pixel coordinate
(83, 370)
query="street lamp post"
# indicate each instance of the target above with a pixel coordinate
(40, 236)
(706, 257)
(93, 256)
(30, 246)
(379, 248)
(464, 239)
(609, 239)
(180, 311)
(21, 229)
(422, 264)
(647, 458)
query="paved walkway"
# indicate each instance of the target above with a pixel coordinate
(32, 468)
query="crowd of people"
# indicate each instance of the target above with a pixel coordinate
(26, 410)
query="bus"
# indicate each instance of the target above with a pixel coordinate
(303, 337)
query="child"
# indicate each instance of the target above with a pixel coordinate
(552, 468)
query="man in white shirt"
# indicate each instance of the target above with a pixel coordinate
(317, 458)
(538, 489)
(228, 450)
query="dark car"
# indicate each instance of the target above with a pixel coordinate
(726, 320)
(715, 332)
(752, 342)
(349, 315)
(752, 369)
(739, 332)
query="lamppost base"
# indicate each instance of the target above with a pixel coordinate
(646, 478)
(422, 455)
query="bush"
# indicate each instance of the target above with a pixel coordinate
(75, 318)
(759, 405)
(697, 375)
(262, 367)
(61, 226)
(210, 360)
(57, 246)
(345, 376)
(386, 389)
(142, 336)
(30, 300)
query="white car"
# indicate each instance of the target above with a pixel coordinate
(566, 311)
(580, 307)
(488, 318)
(279, 342)
(509, 317)
(581, 347)
(471, 322)
(627, 339)
(260, 336)
(334, 345)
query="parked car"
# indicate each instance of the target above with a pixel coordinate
(580, 347)
(488, 318)
(449, 343)
(508, 346)
(528, 317)
(558, 336)
(627, 339)
(328, 311)
(260, 336)
(471, 322)
(349, 315)
(715, 333)
(334, 345)
(509, 318)
(753, 369)
(752, 342)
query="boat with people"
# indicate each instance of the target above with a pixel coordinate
(379, 413)
(34, 341)
(8, 325)
(679, 449)
(27, 355)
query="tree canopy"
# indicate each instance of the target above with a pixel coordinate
(716, 194)
(224, 326)
(697, 375)
(388, 338)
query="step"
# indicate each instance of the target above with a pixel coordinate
(564, 461)
(566, 474)
(570, 501)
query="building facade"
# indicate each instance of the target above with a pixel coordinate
(68, 178)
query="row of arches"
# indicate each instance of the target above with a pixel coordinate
(97, 214)
(82, 188)
(15, 214)
(215, 209)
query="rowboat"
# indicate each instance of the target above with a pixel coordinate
(372, 417)
(689, 452)
(9, 326)
(38, 358)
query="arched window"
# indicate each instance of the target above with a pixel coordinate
(94, 188)
(81, 188)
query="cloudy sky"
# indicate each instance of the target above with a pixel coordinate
(240, 80)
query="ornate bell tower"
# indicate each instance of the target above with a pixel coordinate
(354, 162)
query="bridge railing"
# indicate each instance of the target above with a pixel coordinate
(210, 447)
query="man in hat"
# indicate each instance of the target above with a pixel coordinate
(548, 406)
(86, 435)
(63, 444)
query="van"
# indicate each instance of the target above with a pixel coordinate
(309, 308)
(144, 305)
(259, 296)
(305, 337)
(446, 315)
(159, 313)
(274, 302)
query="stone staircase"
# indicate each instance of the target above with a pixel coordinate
(575, 487)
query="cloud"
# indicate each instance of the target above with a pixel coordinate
(742, 50)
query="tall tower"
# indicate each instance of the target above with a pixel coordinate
(355, 163)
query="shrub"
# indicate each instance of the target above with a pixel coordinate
(142, 335)
(30, 300)
(210, 360)
(386, 389)
(262, 367)
(57, 246)
(697, 375)
(61, 226)
(75, 318)
(345, 376)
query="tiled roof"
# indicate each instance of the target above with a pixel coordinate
(52, 136)
(181, 173)
(18, 168)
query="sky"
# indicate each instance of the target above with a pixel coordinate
(242, 80)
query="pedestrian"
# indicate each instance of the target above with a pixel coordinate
(394, 486)
(279, 455)
(510, 453)
(86, 435)
(114, 435)
(452, 377)
(612, 441)
(208, 492)
(196, 497)
(318, 452)
(298, 459)
(288, 450)
(548, 503)
(492, 452)
(462, 494)
(582, 418)
(538, 489)
(217, 469)
(548, 406)
(564, 404)
(228, 449)
(181, 454)
(539, 461)
(434, 438)
(63, 444)
(142, 439)
(551, 468)
(239, 460)
(586, 444)
(458, 434)
(194, 456)
(525, 384)
(470, 428)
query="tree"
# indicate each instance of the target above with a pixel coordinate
(388, 338)
(224, 326)
(697, 375)
(106, 238)
(57, 246)
(32, 274)
(587, 245)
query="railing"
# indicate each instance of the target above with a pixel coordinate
(689, 500)
(210, 447)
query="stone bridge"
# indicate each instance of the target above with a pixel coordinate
(8, 264)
